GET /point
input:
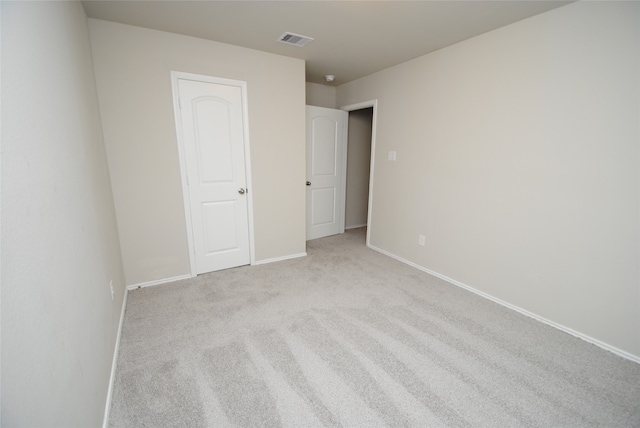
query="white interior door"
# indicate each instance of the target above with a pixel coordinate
(326, 163)
(212, 128)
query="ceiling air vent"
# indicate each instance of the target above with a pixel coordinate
(295, 39)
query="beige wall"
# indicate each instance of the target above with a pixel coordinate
(518, 159)
(60, 244)
(321, 95)
(133, 68)
(358, 160)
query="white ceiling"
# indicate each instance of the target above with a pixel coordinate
(352, 38)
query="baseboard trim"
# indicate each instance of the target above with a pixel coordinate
(358, 226)
(114, 363)
(158, 282)
(280, 259)
(508, 305)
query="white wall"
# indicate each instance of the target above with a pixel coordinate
(358, 160)
(133, 68)
(321, 95)
(59, 237)
(518, 158)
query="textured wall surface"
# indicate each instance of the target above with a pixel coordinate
(321, 95)
(518, 159)
(60, 245)
(133, 73)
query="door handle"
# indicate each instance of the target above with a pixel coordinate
(308, 183)
(241, 191)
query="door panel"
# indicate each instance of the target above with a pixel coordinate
(324, 201)
(213, 137)
(218, 238)
(324, 142)
(213, 140)
(326, 139)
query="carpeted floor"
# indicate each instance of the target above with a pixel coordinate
(349, 337)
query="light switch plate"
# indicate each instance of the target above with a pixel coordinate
(392, 155)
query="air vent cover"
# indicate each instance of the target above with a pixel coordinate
(295, 39)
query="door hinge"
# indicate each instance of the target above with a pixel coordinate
(187, 177)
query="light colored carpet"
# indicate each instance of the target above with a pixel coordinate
(349, 337)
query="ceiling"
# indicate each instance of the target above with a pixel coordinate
(352, 38)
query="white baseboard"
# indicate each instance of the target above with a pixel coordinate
(279, 259)
(536, 317)
(187, 276)
(158, 282)
(357, 226)
(114, 363)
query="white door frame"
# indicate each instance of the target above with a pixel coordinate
(175, 76)
(360, 106)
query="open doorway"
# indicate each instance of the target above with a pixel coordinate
(355, 164)
(358, 162)
(360, 150)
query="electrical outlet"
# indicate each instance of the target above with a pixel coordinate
(112, 291)
(421, 240)
(392, 155)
